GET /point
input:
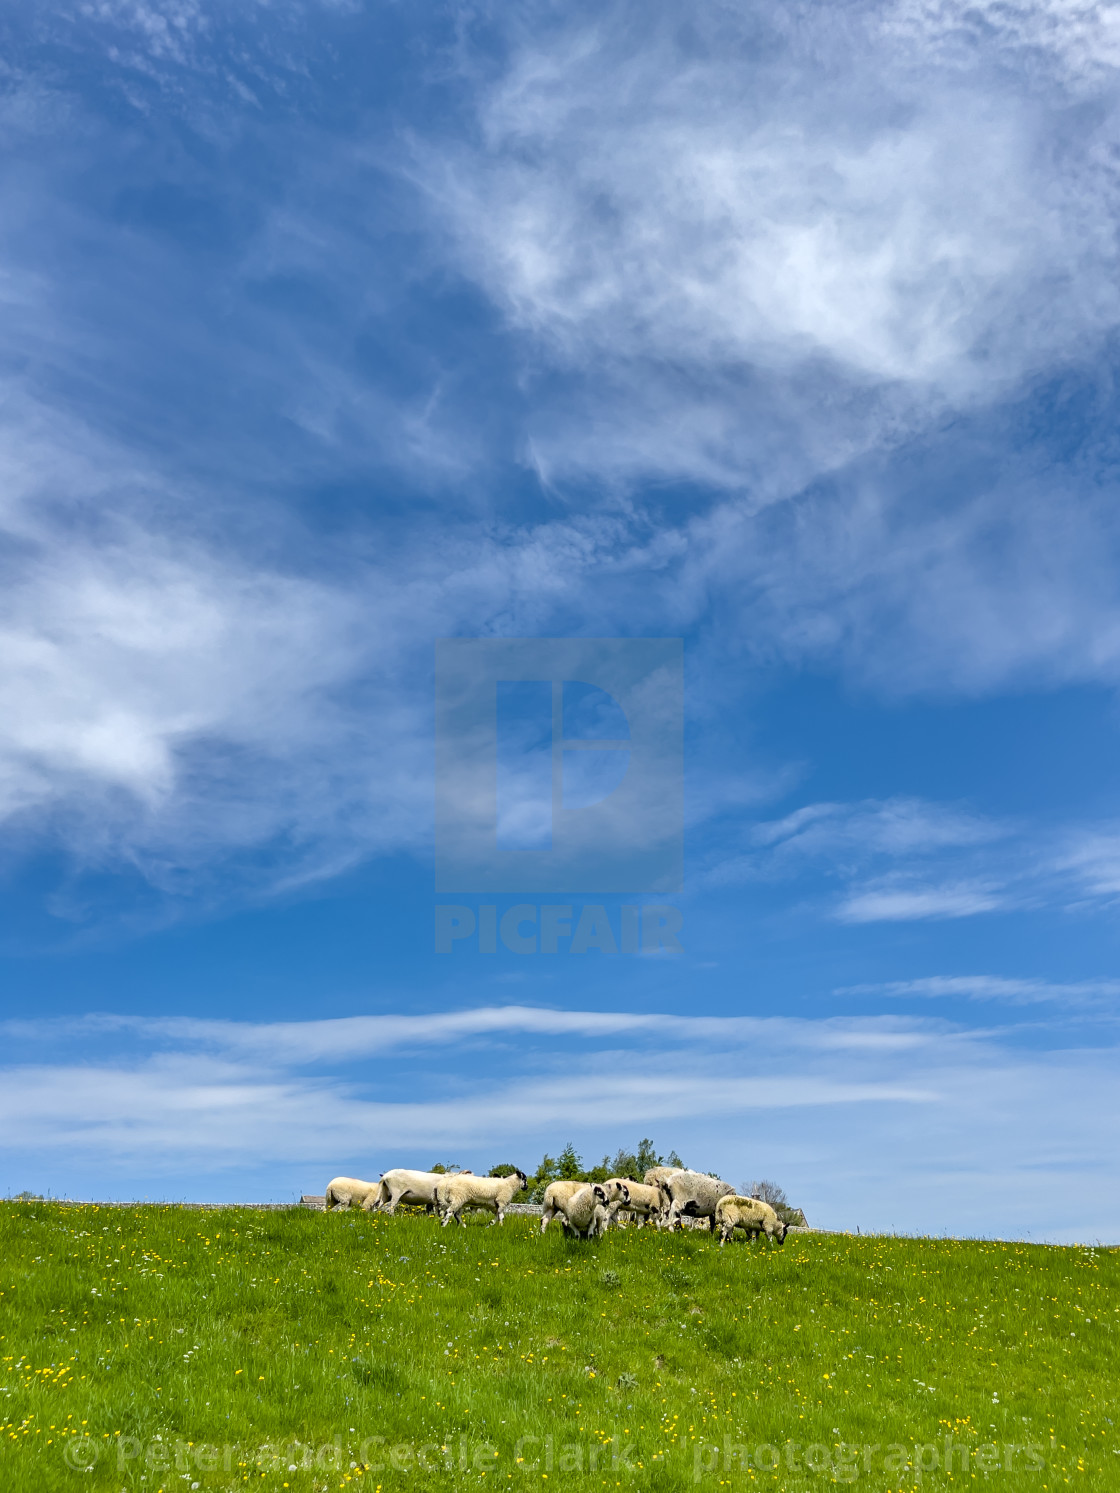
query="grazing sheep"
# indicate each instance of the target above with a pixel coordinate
(647, 1203)
(402, 1186)
(584, 1212)
(752, 1214)
(349, 1192)
(695, 1195)
(453, 1195)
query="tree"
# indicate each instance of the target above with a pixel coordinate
(570, 1164)
(769, 1192)
(635, 1164)
(503, 1169)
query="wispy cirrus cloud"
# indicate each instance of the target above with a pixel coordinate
(783, 302)
(758, 260)
(1092, 858)
(923, 846)
(997, 988)
(896, 904)
(1079, 39)
(672, 215)
(908, 860)
(896, 827)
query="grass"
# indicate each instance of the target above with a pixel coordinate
(171, 1349)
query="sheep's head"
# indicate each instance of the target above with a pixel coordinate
(599, 1193)
(783, 1230)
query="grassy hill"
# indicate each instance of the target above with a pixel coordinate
(168, 1349)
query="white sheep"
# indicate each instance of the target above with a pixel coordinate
(616, 1194)
(403, 1186)
(556, 1194)
(657, 1176)
(454, 1195)
(585, 1212)
(648, 1204)
(752, 1214)
(349, 1192)
(695, 1195)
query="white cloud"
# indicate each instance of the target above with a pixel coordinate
(722, 204)
(884, 1122)
(771, 247)
(908, 859)
(301, 1043)
(895, 826)
(926, 846)
(1080, 39)
(1092, 857)
(1016, 992)
(895, 904)
(172, 703)
(749, 263)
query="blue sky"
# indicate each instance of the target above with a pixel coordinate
(331, 329)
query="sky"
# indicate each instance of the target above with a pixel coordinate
(330, 329)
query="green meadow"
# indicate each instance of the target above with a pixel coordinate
(154, 1347)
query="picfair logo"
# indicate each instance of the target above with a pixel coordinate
(559, 765)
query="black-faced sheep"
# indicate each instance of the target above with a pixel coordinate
(454, 1195)
(556, 1194)
(647, 1203)
(585, 1211)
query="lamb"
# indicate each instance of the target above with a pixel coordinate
(752, 1214)
(585, 1212)
(647, 1203)
(617, 1192)
(453, 1195)
(556, 1194)
(348, 1192)
(402, 1186)
(695, 1195)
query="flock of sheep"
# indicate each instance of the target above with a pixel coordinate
(585, 1209)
